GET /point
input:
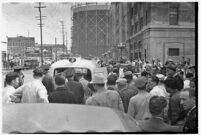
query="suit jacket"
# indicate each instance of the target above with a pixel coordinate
(77, 89)
(175, 109)
(126, 94)
(157, 125)
(61, 95)
(48, 82)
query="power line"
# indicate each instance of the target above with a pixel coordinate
(41, 25)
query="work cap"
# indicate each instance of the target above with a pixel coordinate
(45, 67)
(121, 81)
(141, 82)
(127, 73)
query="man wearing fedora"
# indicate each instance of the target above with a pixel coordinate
(171, 73)
(104, 97)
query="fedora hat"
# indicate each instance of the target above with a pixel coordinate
(98, 80)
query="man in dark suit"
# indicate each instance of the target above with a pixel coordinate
(188, 99)
(75, 87)
(175, 109)
(156, 123)
(61, 94)
(48, 80)
(125, 92)
(171, 73)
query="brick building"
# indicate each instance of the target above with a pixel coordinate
(50, 51)
(17, 45)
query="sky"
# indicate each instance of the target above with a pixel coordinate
(19, 19)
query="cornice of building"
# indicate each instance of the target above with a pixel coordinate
(20, 37)
(91, 7)
(48, 45)
(163, 27)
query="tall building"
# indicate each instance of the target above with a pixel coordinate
(90, 30)
(17, 45)
(155, 30)
(119, 28)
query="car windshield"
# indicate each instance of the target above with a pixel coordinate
(84, 71)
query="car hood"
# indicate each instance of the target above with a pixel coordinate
(62, 118)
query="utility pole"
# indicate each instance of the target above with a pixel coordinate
(56, 47)
(62, 25)
(28, 33)
(41, 25)
(66, 43)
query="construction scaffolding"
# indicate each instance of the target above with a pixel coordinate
(90, 32)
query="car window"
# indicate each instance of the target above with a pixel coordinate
(86, 72)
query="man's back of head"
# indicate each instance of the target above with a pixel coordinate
(38, 72)
(59, 80)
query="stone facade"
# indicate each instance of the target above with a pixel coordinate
(157, 30)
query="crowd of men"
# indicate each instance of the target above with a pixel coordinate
(162, 98)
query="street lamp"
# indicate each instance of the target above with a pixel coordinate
(121, 46)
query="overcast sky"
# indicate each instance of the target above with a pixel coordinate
(19, 19)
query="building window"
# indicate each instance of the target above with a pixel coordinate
(135, 9)
(145, 54)
(141, 23)
(136, 27)
(140, 55)
(173, 14)
(132, 29)
(136, 55)
(173, 51)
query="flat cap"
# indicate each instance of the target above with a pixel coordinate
(121, 81)
(127, 73)
(141, 82)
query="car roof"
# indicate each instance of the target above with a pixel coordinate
(80, 63)
(57, 118)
